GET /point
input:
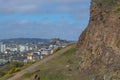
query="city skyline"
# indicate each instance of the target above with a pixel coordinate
(43, 18)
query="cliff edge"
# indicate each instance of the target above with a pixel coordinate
(99, 44)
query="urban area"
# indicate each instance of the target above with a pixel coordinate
(29, 51)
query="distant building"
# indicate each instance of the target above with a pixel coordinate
(3, 61)
(45, 51)
(52, 51)
(2, 47)
(14, 49)
(30, 57)
(53, 46)
(23, 48)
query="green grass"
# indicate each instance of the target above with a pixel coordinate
(64, 67)
(56, 50)
(28, 75)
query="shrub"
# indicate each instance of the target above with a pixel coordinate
(118, 8)
(17, 64)
(13, 70)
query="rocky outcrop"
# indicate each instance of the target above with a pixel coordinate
(99, 44)
(35, 77)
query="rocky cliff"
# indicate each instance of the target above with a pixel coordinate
(99, 44)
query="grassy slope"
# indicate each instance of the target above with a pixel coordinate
(64, 67)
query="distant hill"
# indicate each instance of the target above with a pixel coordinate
(34, 40)
(24, 40)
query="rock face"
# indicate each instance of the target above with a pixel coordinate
(99, 44)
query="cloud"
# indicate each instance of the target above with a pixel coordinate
(76, 8)
(37, 6)
(23, 22)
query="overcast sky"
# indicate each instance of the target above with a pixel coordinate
(64, 19)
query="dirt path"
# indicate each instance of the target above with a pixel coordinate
(32, 67)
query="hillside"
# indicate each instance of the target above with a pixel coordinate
(23, 40)
(34, 40)
(63, 67)
(60, 66)
(99, 44)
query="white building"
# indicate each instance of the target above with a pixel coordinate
(45, 51)
(14, 49)
(23, 48)
(2, 47)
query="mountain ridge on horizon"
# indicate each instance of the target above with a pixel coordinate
(36, 40)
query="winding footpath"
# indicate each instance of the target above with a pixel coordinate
(41, 62)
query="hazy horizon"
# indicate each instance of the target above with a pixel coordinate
(36, 38)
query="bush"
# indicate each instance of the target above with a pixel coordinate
(2, 74)
(13, 70)
(17, 64)
(118, 8)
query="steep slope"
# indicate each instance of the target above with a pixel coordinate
(99, 44)
(60, 66)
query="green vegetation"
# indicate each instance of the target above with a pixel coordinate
(117, 9)
(4, 70)
(8, 70)
(64, 67)
(13, 70)
(107, 2)
(28, 75)
(56, 50)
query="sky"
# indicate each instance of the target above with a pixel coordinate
(65, 19)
